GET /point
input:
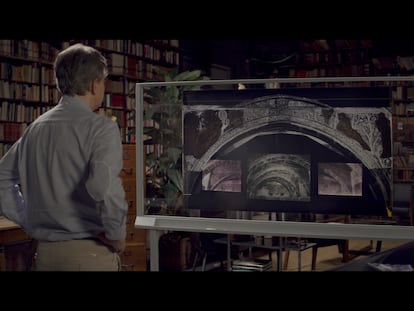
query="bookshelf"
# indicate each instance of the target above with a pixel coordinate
(403, 132)
(311, 58)
(340, 58)
(27, 87)
(129, 62)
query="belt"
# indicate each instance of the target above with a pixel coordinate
(81, 239)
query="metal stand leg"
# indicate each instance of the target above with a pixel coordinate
(154, 236)
(299, 256)
(280, 256)
(228, 253)
(195, 261)
(203, 266)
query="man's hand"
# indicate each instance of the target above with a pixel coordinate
(117, 246)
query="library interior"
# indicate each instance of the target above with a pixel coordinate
(243, 155)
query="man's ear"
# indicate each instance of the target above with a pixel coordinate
(93, 86)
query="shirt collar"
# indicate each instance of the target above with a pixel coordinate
(75, 102)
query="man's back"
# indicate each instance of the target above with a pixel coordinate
(54, 158)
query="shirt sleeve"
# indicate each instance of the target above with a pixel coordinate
(104, 184)
(11, 200)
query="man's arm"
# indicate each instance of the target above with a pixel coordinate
(11, 200)
(104, 184)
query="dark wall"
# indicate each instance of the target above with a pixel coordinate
(258, 58)
(201, 54)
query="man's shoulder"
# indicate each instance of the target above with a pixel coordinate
(104, 120)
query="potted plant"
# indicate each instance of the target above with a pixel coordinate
(163, 110)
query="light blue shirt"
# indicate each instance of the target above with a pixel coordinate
(60, 180)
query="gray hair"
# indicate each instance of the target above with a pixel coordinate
(76, 67)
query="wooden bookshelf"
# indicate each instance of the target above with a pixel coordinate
(403, 132)
(27, 86)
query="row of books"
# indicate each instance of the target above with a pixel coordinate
(403, 175)
(28, 49)
(148, 49)
(403, 92)
(18, 112)
(327, 45)
(339, 71)
(11, 132)
(135, 68)
(403, 109)
(28, 92)
(332, 58)
(404, 160)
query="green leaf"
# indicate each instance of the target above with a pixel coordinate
(188, 75)
(160, 71)
(149, 113)
(170, 192)
(176, 179)
(172, 93)
(167, 110)
(175, 154)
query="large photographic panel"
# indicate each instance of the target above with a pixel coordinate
(324, 150)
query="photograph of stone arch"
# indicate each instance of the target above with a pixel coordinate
(340, 179)
(280, 176)
(222, 175)
(288, 140)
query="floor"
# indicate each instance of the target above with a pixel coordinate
(329, 257)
